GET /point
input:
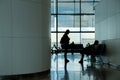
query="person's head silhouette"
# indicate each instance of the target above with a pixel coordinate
(67, 31)
(96, 42)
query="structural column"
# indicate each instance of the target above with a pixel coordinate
(24, 36)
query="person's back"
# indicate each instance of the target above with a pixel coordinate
(65, 40)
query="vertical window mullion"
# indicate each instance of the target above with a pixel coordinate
(56, 22)
(74, 15)
(80, 19)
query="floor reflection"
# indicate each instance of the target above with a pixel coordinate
(76, 71)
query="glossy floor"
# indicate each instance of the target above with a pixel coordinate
(86, 71)
(73, 70)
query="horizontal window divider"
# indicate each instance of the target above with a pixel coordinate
(73, 31)
(73, 14)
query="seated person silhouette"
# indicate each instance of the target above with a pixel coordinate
(65, 43)
(95, 49)
(86, 51)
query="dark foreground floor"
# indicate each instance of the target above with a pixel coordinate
(73, 70)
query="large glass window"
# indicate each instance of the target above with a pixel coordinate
(87, 22)
(70, 22)
(76, 15)
(68, 8)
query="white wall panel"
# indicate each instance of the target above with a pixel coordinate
(108, 21)
(5, 18)
(118, 25)
(5, 56)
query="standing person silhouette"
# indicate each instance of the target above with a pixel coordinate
(65, 43)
